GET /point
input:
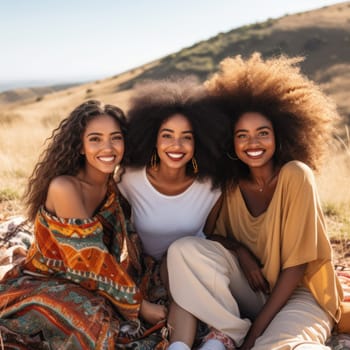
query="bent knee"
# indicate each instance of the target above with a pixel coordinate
(182, 247)
(182, 244)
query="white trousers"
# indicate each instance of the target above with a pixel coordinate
(206, 280)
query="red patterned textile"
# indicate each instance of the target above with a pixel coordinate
(78, 287)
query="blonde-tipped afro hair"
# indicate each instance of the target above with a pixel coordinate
(303, 117)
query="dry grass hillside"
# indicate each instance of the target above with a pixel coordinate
(30, 93)
(322, 36)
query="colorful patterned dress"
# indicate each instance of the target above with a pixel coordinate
(80, 286)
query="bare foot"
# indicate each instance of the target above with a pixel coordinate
(153, 313)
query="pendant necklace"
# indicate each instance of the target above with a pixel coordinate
(261, 189)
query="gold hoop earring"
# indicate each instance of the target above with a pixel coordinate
(231, 157)
(154, 161)
(195, 165)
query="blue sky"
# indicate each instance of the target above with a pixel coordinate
(69, 40)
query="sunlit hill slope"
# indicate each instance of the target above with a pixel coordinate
(322, 36)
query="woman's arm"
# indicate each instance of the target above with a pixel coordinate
(286, 284)
(250, 265)
(212, 217)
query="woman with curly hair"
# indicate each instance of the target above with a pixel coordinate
(266, 277)
(174, 141)
(78, 286)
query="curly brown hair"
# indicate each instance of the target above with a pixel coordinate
(303, 117)
(62, 155)
(155, 101)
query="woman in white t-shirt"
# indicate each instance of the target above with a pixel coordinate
(174, 140)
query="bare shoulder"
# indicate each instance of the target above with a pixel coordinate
(64, 184)
(65, 198)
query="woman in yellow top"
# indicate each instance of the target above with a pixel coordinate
(288, 297)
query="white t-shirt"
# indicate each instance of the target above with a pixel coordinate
(161, 219)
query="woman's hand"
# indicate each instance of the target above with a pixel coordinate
(287, 282)
(226, 242)
(153, 313)
(252, 270)
(248, 262)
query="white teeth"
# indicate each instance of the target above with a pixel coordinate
(176, 155)
(107, 159)
(255, 153)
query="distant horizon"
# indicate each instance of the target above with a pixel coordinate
(8, 85)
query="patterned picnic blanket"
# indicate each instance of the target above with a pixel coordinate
(16, 237)
(71, 292)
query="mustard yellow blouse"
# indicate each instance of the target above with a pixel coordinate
(290, 232)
